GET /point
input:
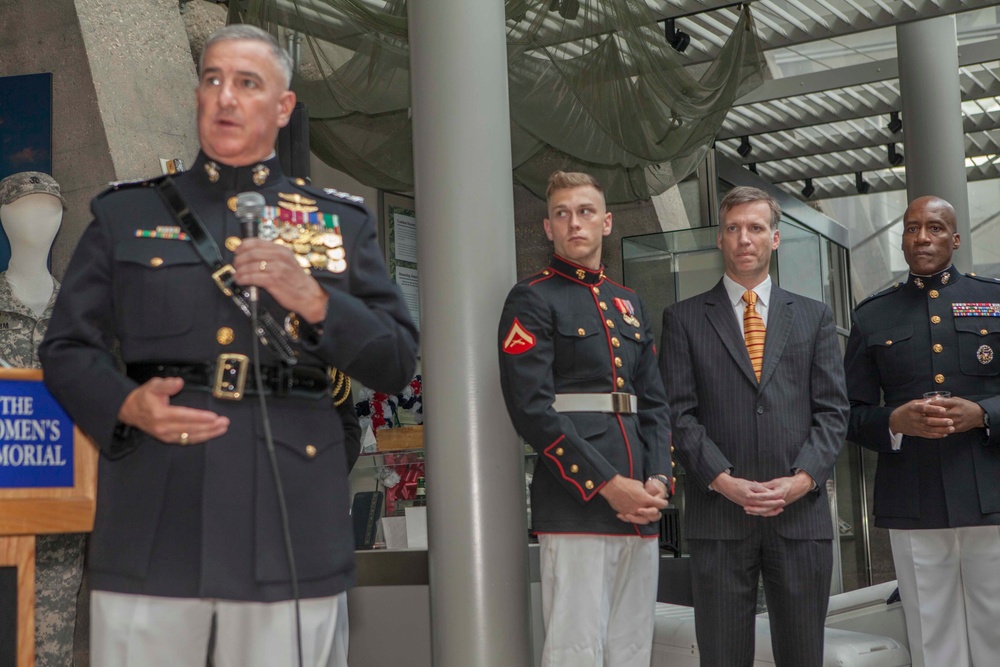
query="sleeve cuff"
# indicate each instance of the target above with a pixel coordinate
(895, 440)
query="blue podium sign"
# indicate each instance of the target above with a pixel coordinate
(36, 437)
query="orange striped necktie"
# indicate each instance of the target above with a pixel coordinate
(753, 332)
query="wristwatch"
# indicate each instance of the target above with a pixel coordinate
(666, 481)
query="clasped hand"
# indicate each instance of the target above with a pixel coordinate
(633, 501)
(764, 499)
(936, 418)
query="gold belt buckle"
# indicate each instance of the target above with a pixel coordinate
(621, 402)
(220, 277)
(230, 376)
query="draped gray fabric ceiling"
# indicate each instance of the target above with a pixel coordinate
(594, 86)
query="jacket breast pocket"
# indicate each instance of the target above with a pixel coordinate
(893, 350)
(160, 278)
(581, 350)
(978, 345)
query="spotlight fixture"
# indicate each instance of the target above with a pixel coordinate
(752, 167)
(895, 159)
(568, 9)
(808, 191)
(678, 39)
(744, 148)
(895, 124)
(861, 185)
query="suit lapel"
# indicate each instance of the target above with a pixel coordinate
(780, 318)
(722, 316)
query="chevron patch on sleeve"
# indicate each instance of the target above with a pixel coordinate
(519, 340)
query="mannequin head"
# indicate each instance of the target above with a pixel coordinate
(31, 208)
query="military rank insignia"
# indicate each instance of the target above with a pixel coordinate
(975, 309)
(313, 236)
(518, 340)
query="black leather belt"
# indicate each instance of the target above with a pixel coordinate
(231, 377)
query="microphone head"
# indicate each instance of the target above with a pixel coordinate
(249, 206)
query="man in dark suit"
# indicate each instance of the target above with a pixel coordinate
(755, 385)
(191, 529)
(937, 484)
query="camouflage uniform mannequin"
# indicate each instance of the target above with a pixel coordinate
(31, 209)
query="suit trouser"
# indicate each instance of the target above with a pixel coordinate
(949, 582)
(148, 631)
(598, 598)
(724, 577)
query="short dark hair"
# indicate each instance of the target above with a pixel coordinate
(245, 31)
(564, 180)
(744, 194)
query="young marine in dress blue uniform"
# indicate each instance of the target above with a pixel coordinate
(579, 376)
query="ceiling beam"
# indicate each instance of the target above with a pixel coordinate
(890, 182)
(857, 75)
(837, 105)
(781, 31)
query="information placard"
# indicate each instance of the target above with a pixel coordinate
(36, 438)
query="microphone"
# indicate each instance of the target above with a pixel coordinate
(249, 206)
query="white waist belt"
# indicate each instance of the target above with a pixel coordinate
(617, 402)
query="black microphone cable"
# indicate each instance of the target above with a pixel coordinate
(249, 206)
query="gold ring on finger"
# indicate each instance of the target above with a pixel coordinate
(184, 439)
(263, 265)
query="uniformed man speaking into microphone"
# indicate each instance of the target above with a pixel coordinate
(191, 523)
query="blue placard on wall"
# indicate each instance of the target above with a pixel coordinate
(36, 437)
(25, 131)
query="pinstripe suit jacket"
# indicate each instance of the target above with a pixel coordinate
(794, 418)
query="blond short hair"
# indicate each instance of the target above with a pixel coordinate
(564, 180)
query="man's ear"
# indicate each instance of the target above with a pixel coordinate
(286, 104)
(607, 225)
(548, 228)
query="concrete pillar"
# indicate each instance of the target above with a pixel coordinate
(465, 236)
(934, 139)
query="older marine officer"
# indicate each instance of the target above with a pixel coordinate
(189, 519)
(936, 484)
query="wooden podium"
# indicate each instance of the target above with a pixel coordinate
(29, 511)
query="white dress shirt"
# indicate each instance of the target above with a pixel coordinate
(735, 292)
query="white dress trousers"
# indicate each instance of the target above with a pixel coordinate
(147, 631)
(598, 599)
(949, 582)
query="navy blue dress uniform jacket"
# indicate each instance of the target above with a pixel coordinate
(562, 331)
(203, 520)
(795, 417)
(937, 333)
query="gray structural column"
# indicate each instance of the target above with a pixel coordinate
(465, 239)
(934, 139)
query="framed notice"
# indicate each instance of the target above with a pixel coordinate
(398, 222)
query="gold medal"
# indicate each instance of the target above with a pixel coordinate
(338, 266)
